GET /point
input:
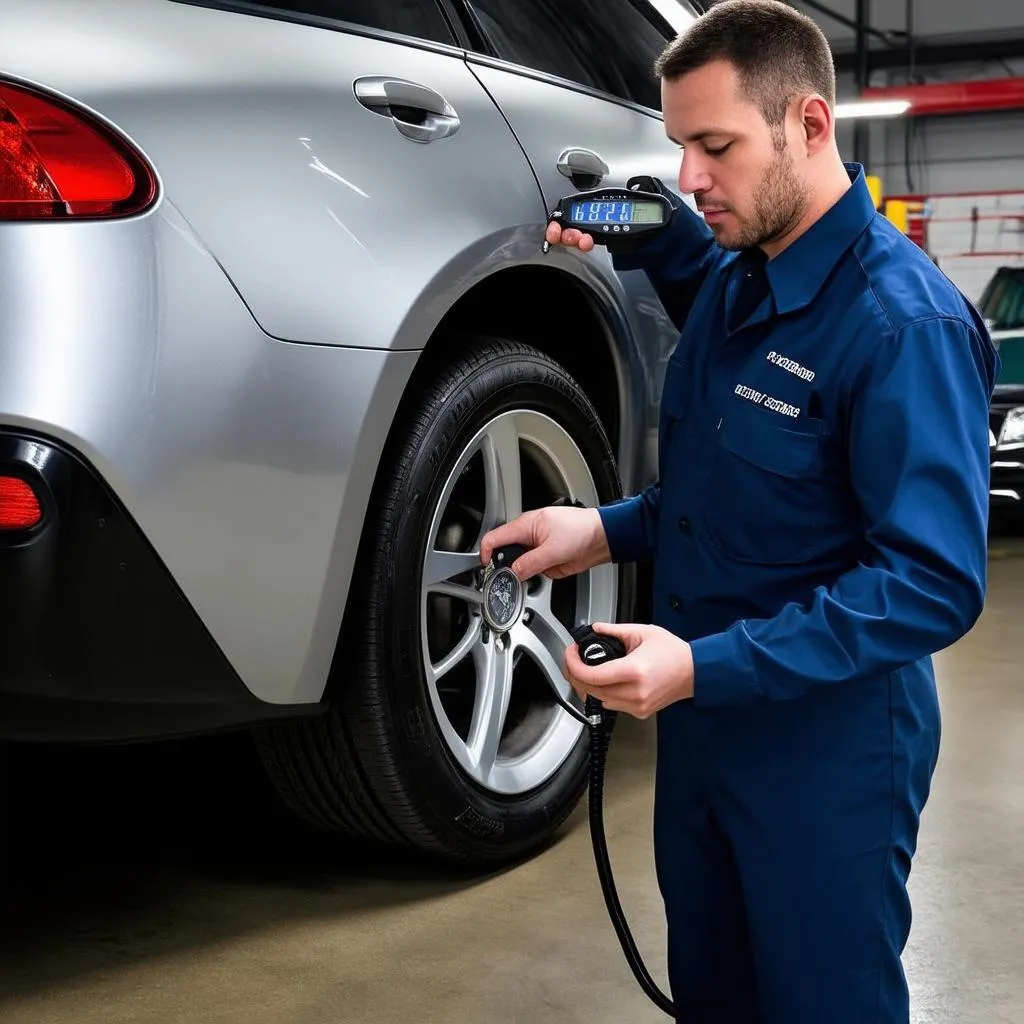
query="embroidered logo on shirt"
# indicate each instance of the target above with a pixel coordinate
(760, 398)
(791, 366)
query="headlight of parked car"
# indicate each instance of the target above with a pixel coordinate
(1013, 427)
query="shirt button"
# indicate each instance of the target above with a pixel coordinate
(674, 603)
(684, 525)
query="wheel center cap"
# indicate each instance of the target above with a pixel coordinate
(502, 599)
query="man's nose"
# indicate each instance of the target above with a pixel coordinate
(692, 175)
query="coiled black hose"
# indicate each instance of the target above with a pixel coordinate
(599, 725)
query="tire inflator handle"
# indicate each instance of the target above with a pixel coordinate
(597, 648)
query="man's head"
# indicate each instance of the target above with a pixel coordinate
(748, 91)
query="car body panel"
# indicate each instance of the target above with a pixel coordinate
(231, 361)
(1010, 344)
(247, 461)
(307, 198)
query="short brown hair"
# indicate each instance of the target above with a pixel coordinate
(778, 53)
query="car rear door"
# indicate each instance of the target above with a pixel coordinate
(327, 152)
(575, 80)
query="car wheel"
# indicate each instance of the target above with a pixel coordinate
(442, 731)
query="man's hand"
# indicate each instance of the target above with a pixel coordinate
(562, 542)
(656, 671)
(571, 237)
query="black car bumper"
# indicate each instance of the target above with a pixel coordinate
(1006, 484)
(1006, 474)
(97, 642)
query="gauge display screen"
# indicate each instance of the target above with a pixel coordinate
(626, 212)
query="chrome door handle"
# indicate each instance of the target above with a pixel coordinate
(583, 166)
(419, 113)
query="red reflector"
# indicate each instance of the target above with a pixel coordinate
(56, 162)
(19, 506)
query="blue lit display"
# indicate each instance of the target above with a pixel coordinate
(608, 212)
(603, 213)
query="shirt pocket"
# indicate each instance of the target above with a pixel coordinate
(766, 494)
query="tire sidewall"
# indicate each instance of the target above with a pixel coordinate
(477, 818)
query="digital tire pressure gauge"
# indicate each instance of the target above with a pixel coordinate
(612, 215)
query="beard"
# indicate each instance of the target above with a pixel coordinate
(780, 200)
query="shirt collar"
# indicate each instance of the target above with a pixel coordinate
(798, 272)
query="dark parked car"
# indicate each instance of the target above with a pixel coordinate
(1002, 305)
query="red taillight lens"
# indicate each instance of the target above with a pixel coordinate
(58, 163)
(19, 506)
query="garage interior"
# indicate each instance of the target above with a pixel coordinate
(165, 884)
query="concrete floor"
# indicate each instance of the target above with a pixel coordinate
(157, 885)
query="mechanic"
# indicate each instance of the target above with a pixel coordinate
(818, 532)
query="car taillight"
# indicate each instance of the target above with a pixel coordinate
(56, 162)
(19, 506)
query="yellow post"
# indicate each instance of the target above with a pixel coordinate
(897, 211)
(875, 188)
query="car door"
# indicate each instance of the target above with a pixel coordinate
(326, 151)
(575, 80)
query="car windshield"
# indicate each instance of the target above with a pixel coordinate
(1002, 303)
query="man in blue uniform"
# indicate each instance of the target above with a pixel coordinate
(818, 532)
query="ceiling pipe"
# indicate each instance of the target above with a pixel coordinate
(951, 98)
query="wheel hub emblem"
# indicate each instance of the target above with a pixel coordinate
(502, 599)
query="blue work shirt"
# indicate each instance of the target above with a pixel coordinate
(822, 505)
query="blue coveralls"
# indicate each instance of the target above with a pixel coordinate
(818, 531)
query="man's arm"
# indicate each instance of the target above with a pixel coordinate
(676, 262)
(920, 467)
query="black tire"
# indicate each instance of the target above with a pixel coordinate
(376, 764)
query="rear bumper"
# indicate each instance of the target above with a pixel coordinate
(97, 642)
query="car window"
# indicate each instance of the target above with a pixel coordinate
(419, 18)
(609, 45)
(1015, 312)
(1003, 302)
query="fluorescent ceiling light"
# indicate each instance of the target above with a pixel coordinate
(678, 16)
(872, 108)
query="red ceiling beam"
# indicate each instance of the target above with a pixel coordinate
(954, 97)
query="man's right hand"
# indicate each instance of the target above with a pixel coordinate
(561, 542)
(571, 237)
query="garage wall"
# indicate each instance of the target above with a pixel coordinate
(948, 154)
(974, 231)
(931, 17)
(977, 152)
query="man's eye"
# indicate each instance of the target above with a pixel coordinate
(718, 152)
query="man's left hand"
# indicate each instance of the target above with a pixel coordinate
(656, 671)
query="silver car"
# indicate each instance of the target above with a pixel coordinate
(278, 343)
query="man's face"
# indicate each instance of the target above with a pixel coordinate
(742, 173)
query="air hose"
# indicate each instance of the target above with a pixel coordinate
(600, 737)
(499, 583)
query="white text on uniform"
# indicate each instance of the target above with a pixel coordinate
(785, 363)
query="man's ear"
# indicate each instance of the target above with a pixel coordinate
(817, 123)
